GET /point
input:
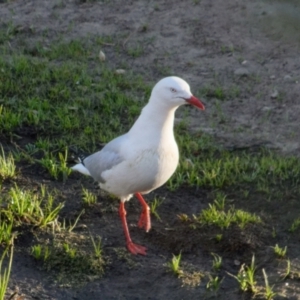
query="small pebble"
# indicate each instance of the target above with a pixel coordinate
(101, 56)
(241, 72)
(73, 108)
(288, 78)
(120, 71)
(266, 108)
(275, 94)
(237, 262)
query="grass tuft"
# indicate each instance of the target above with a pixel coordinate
(154, 205)
(269, 294)
(279, 251)
(5, 272)
(174, 264)
(218, 216)
(57, 168)
(246, 277)
(7, 165)
(88, 197)
(69, 263)
(31, 207)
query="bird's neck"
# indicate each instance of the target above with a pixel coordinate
(154, 124)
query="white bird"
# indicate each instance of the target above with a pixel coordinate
(145, 157)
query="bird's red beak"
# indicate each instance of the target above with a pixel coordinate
(196, 102)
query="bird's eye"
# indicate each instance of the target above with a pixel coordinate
(173, 90)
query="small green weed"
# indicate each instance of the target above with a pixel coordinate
(5, 273)
(57, 168)
(174, 264)
(36, 251)
(5, 230)
(280, 252)
(88, 197)
(40, 252)
(219, 237)
(216, 215)
(154, 206)
(246, 277)
(70, 226)
(32, 207)
(135, 51)
(9, 32)
(288, 270)
(70, 263)
(290, 273)
(7, 165)
(214, 283)
(217, 261)
(269, 294)
(9, 119)
(97, 247)
(295, 225)
(70, 251)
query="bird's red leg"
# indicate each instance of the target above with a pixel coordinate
(145, 220)
(133, 248)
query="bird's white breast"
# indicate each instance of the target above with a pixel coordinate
(143, 171)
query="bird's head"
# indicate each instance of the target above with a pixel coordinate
(173, 92)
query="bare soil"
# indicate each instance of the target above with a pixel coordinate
(252, 46)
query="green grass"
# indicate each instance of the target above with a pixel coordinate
(280, 252)
(66, 103)
(66, 100)
(218, 215)
(135, 51)
(246, 277)
(154, 205)
(217, 261)
(187, 275)
(88, 197)
(220, 92)
(7, 165)
(6, 228)
(222, 168)
(97, 247)
(57, 168)
(5, 271)
(70, 264)
(269, 294)
(20, 207)
(31, 207)
(295, 225)
(174, 264)
(224, 218)
(214, 283)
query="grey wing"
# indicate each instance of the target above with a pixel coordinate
(105, 159)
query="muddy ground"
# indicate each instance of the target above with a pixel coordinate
(251, 50)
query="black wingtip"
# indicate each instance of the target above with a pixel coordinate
(77, 155)
(81, 158)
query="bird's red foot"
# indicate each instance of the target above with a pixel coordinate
(136, 249)
(145, 221)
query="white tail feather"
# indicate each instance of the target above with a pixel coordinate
(82, 169)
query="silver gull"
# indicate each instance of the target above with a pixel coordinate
(145, 157)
